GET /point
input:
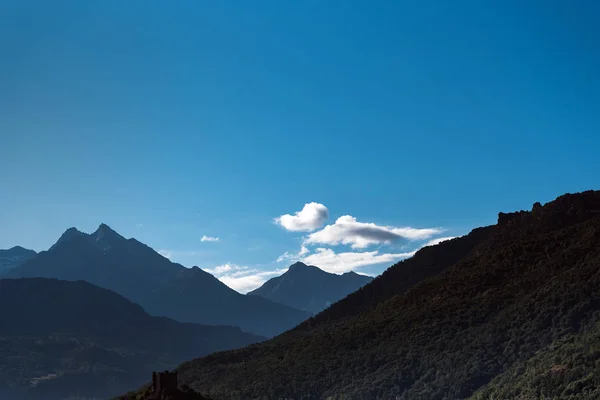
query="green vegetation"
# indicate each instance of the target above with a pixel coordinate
(568, 369)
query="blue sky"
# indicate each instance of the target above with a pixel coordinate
(171, 121)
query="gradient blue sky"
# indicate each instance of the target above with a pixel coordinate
(174, 120)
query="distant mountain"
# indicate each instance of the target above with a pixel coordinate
(508, 311)
(134, 270)
(310, 288)
(13, 257)
(61, 339)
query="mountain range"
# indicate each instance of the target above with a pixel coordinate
(510, 311)
(137, 272)
(13, 257)
(62, 338)
(310, 288)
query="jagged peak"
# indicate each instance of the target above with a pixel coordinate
(105, 237)
(297, 265)
(69, 235)
(105, 230)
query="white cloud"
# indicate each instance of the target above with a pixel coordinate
(242, 278)
(312, 217)
(287, 256)
(330, 261)
(223, 269)
(209, 239)
(166, 253)
(170, 254)
(359, 235)
(433, 242)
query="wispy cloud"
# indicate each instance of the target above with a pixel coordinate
(330, 261)
(348, 231)
(170, 254)
(287, 256)
(242, 278)
(435, 241)
(312, 216)
(340, 262)
(209, 239)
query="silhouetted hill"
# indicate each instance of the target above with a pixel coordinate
(165, 386)
(60, 338)
(509, 293)
(310, 288)
(400, 277)
(139, 273)
(180, 394)
(13, 257)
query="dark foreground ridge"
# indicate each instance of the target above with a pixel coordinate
(164, 387)
(507, 312)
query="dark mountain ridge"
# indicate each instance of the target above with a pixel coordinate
(58, 338)
(493, 300)
(310, 288)
(134, 270)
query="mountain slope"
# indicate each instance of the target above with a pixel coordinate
(137, 272)
(13, 257)
(533, 281)
(567, 369)
(58, 338)
(400, 277)
(310, 288)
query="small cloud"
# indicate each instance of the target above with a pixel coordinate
(223, 269)
(242, 278)
(287, 256)
(138, 226)
(330, 261)
(170, 254)
(166, 253)
(359, 235)
(433, 242)
(312, 216)
(209, 239)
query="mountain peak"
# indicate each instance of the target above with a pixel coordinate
(68, 235)
(309, 288)
(297, 266)
(20, 250)
(105, 229)
(105, 237)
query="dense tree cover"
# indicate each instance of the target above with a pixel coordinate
(61, 339)
(534, 281)
(567, 369)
